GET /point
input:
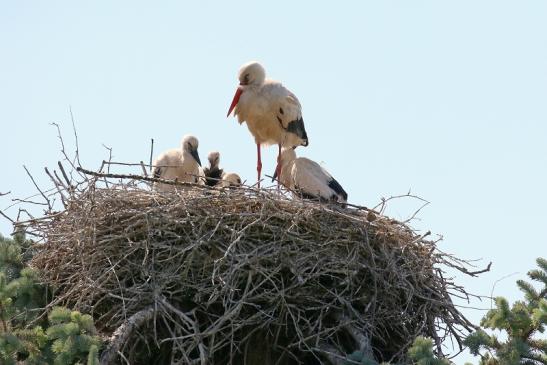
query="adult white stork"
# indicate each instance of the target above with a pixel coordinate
(181, 163)
(308, 179)
(273, 114)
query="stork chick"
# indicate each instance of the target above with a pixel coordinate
(230, 179)
(213, 174)
(273, 114)
(181, 163)
(308, 179)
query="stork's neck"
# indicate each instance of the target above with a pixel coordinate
(213, 163)
(287, 156)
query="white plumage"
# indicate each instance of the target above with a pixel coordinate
(308, 179)
(273, 114)
(181, 163)
(230, 179)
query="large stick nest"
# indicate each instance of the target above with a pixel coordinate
(243, 276)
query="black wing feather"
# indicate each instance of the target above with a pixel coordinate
(212, 176)
(335, 185)
(297, 127)
(309, 196)
(305, 195)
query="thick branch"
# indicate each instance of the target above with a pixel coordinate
(123, 333)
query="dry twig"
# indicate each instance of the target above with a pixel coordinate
(38, 188)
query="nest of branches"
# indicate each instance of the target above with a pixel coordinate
(242, 276)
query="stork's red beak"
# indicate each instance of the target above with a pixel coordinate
(235, 100)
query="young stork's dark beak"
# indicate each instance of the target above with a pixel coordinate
(195, 155)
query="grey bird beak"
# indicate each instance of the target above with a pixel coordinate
(195, 155)
(274, 175)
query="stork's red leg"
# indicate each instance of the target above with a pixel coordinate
(258, 163)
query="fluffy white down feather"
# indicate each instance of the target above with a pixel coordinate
(177, 163)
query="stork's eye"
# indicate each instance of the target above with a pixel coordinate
(246, 78)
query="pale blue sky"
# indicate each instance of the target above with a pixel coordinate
(446, 98)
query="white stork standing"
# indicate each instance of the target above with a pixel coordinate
(308, 179)
(181, 163)
(273, 113)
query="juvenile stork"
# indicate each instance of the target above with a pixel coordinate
(273, 114)
(308, 179)
(213, 174)
(181, 163)
(230, 179)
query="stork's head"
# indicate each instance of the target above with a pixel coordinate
(190, 144)
(214, 159)
(231, 179)
(250, 74)
(287, 155)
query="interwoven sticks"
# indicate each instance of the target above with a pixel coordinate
(243, 276)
